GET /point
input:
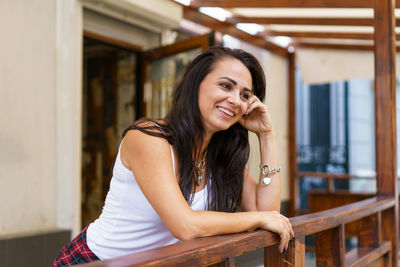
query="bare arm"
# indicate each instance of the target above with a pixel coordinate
(149, 158)
(257, 197)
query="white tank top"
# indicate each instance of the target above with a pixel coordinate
(128, 222)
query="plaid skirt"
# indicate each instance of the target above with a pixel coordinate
(75, 252)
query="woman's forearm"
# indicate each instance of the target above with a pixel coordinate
(269, 197)
(209, 223)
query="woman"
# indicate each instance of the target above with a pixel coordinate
(183, 177)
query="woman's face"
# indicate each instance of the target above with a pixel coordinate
(224, 94)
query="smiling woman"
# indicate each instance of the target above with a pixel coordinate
(184, 176)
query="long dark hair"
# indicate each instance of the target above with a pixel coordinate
(228, 150)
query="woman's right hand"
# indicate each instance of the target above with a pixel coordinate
(277, 223)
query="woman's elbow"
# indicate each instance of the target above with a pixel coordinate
(186, 231)
(185, 236)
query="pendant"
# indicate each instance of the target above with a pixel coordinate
(266, 180)
(199, 179)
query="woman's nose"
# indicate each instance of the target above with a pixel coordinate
(234, 98)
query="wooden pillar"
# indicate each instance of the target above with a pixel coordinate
(385, 116)
(293, 181)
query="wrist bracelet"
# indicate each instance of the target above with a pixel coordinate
(267, 171)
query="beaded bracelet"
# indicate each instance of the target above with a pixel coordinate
(268, 173)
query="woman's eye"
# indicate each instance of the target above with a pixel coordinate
(245, 95)
(225, 85)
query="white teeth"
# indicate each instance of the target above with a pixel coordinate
(226, 111)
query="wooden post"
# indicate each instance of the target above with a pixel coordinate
(293, 181)
(369, 229)
(329, 247)
(385, 117)
(294, 256)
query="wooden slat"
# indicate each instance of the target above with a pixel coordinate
(369, 231)
(390, 232)
(385, 118)
(366, 255)
(329, 247)
(285, 3)
(228, 28)
(294, 256)
(320, 221)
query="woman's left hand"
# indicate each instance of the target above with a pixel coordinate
(258, 119)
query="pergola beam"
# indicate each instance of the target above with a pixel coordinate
(286, 3)
(324, 35)
(194, 15)
(307, 21)
(333, 46)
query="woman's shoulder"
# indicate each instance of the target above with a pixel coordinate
(144, 140)
(146, 130)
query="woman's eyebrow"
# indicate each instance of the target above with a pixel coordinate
(229, 79)
(235, 83)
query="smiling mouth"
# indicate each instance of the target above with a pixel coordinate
(227, 112)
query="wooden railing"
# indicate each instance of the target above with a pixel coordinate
(328, 227)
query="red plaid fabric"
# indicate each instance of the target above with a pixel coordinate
(75, 252)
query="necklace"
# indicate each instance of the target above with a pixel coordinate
(200, 169)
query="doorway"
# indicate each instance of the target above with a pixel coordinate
(120, 85)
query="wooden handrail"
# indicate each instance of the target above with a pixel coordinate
(319, 221)
(210, 250)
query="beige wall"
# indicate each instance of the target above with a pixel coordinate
(27, 115)
(40, 110)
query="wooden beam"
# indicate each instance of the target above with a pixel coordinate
(305, 21)
(285, 3)
(385, 118)
(333, 46)
(293, 182)
(332, 35)
(323, 35)
(194, 15)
